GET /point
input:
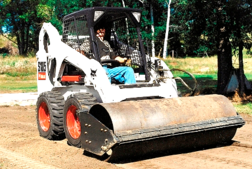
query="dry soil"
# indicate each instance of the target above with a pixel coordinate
(22, 147)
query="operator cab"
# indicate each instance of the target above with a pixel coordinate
(122, 27)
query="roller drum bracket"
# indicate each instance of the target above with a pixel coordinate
(97, 138)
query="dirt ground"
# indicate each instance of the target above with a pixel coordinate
(22, 147)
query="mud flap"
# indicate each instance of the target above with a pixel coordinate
(95, 137)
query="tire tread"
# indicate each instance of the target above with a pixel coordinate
(56, 107)
(86, 101)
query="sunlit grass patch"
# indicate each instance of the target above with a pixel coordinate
(17, 66)
(243, 108)
(194, 65)
(19, 86)
(3, 41)
(18, 74)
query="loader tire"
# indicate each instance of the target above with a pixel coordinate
(72, 126)
(50, 106)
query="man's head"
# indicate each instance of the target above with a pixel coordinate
(100, 33)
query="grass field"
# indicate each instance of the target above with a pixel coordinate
(205, 71)
(24, 84)
(18, 74)
(243, 107)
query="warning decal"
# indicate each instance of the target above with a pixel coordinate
(41, 70)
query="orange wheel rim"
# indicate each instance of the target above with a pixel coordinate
(73, 122)
(44, 117)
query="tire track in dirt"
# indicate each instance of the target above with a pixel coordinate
(22, 149)
(208, 159)
(238, 159)
(174, 162)
(243, 144)
(245, 134)
(21, 161)
(19, 130)
(19, 123)
(237, 155)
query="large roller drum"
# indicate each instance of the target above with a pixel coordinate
(148, 126)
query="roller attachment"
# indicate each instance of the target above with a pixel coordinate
(156, 125)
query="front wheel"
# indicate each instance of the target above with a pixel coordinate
(50, 107)
(72, 125)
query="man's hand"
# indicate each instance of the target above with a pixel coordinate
(128, 62)
(120, 59)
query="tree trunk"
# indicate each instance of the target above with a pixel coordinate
(224, 51)
(241, 71)
(22, 38)
(127, 25)
(241, 67)
(18, 42)
(153, 31)
(27, 39)
(224, 61)
(167, 30)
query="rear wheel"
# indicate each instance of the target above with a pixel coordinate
(72, 125)
(50, 107)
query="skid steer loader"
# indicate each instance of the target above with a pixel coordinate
(113, 120)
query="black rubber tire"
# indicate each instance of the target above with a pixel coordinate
(80, 101)
(54, 102)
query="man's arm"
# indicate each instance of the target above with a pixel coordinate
(113, 56)
(120, 59)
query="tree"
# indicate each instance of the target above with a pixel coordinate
(23, 19)
(223, 23)
(157, 24)
(167, 29)
(241, 31)
(19, 19)
(233, 31)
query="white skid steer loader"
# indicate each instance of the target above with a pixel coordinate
(112, 120)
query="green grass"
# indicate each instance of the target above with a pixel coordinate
(243, 108)
(248, 76)
(203, 80)
(18, 74)
(17, 64)
(205, 71)
(20, 86)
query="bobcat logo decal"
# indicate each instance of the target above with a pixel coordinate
(93, 72)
